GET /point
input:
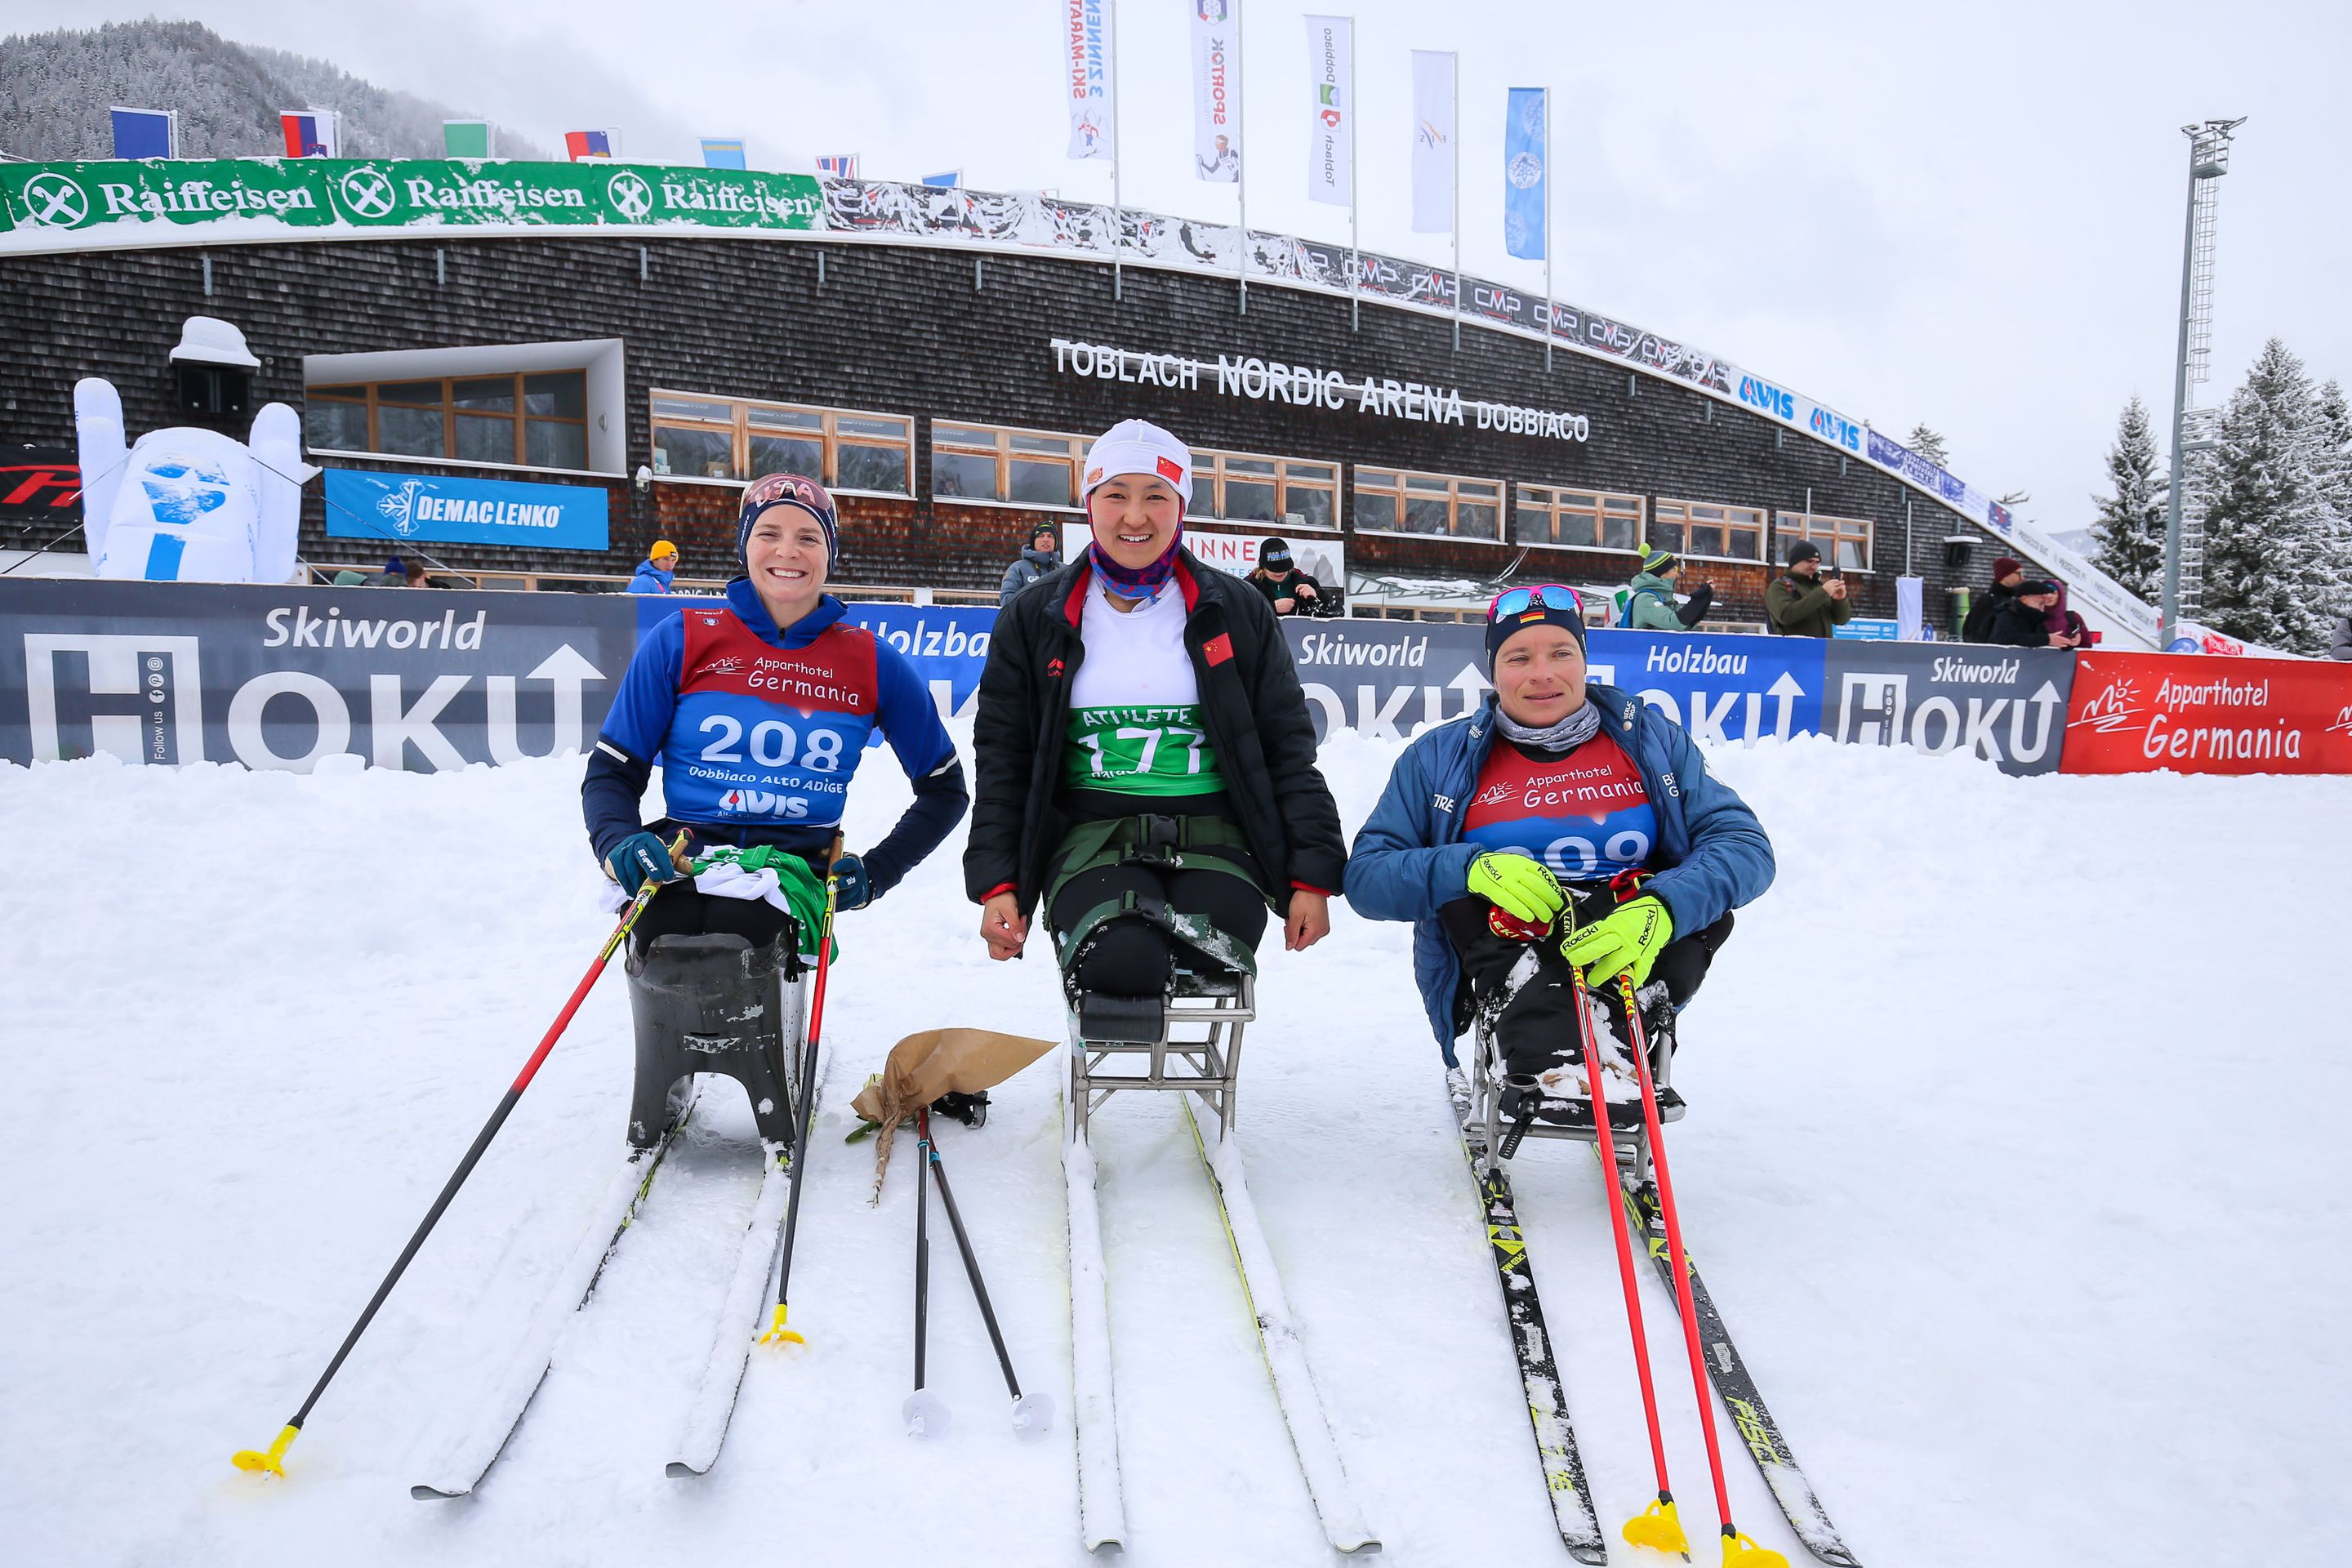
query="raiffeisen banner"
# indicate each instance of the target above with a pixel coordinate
(248, 197)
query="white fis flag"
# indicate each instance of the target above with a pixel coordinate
(1087, 78)
(1433, 142)
(1217, 90)
(1331, 143)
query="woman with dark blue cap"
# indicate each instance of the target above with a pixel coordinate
(757, 713)
(1563, 820)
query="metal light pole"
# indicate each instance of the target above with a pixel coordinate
(2209, 159)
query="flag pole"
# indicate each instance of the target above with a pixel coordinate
(1454, 134)
(1547, 180)
(1241, 173)
(1355, 250)
(1117, 206)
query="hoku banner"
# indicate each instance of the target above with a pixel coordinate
(1525, 159)
(1433, 142)
(325, 192)
(1217, 90)
(1087, 80)
(1330, 85)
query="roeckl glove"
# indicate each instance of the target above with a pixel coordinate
(1629, 938)
(639, 858)
(1520, 886)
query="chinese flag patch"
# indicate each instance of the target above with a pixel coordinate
(1172, 470)
(1219, 647)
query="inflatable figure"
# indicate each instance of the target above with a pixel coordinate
(188, 505)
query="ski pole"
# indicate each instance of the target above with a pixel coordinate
(1032, 1414)
(924, 1414)
(777, 1334)
(271, 1460)
(1738, 1548)
(1657, 1525)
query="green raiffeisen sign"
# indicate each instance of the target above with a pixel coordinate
(245, 198)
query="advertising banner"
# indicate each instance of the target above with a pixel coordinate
(278, 678)
(40, 485)
(2007, 705)
(246, 198)
(1526, 153)
(1331, 130)
(1217, 90)
(1087, 78)
(2134, 713)
(364, 504)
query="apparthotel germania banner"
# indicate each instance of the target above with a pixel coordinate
(238, 196)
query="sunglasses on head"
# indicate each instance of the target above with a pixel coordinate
(1517, 600)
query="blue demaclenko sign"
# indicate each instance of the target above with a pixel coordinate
(394, 508)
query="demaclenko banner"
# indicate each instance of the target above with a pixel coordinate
(369, 504)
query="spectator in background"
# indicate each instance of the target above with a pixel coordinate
(2008, 572)
(1652, 607)
(2339, 637)
(350, 579)
(657, 571)
(1800, 602)
(413, 576)
(2062, 619)
(1041, 555)
(2022, 620)
(1290, 591)
(394, 575)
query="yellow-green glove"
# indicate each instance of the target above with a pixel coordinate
(1629, 937)
(1519, 887)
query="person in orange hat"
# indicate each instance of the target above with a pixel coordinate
(656, 573)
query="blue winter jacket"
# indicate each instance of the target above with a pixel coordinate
(650, 579)
(1409, 860)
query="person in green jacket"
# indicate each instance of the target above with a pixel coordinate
(1651, 607)
(1801, 602)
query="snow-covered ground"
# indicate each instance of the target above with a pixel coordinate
(2015, 1160)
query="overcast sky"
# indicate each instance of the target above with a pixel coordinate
(1966, 215)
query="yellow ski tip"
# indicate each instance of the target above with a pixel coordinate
(1738, 1551)
(1660, 1526)
(270, 1461)
(778, 1335)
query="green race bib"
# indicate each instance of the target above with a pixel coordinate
(1140, 751)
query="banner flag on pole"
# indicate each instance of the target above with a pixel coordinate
(1087, 78)
(946, 180)
(145, 133)
(587, 145)
(840, 165)
(723, 153)
(466, 139)
(1331, 147)
(1525, 138)
(1433, 142)
(310, 132)
(1217, 90)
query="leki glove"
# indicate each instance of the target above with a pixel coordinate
(1519, 887)
(1627, 940)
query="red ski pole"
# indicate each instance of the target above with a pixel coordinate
(1657, 1525)
(271, 1460)
(1738, 1550)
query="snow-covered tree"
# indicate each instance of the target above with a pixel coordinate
(2332, 429)
(2130, 526)
(2268, 576)
(1930, 445)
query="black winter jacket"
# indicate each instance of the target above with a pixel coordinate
(2018, 625)
(1250, 704)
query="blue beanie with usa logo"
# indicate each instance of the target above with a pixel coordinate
(789, 489)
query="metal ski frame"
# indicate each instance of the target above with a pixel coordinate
(1209, 1067)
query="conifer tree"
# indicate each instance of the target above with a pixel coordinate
(2266, 558)
(2130, 527)
(1930, 445)
(2332, 429)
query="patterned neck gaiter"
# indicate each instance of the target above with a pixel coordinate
(1140, 584)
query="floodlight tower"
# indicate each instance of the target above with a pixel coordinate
(2209, 160)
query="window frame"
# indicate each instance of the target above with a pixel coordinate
(1552, 509)
(1404, 493)
(740, 432)
(1209, 464)
(1004, 455)
(519, 418)
(1805, 527)
(1658, 519)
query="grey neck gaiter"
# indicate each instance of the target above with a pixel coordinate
(1569, 733)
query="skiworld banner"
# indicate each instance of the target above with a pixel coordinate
(2005, 705)
(2135, 713)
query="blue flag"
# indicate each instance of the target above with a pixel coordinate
(946, 180)
(723, 153)
(1523, 160)
(145, 133)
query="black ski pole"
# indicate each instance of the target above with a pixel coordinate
(271, 1460)
(1033, 1414)
(777, 1334)
(924, 1414)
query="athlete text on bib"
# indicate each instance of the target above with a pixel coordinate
(1135, 705)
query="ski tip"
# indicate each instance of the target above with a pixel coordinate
(425, 1492)
(679, 1471)
(1109, 1551)
(1361, 1549)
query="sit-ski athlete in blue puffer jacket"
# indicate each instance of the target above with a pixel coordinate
(1563, 818)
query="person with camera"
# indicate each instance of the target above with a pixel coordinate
(1804, 600)
(2023, 621)
(1290, 591)
(1651, 605)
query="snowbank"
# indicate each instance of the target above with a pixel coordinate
(2006, 1178)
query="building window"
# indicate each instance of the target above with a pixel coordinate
(529, 419)
(1844, 541)
(735, 438)
(1581, 519)
(1027, 467)
(1705, 530)
(1393, 502)
(1280, 493)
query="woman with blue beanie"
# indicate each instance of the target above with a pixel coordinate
(758, 714)
(1561, 824)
